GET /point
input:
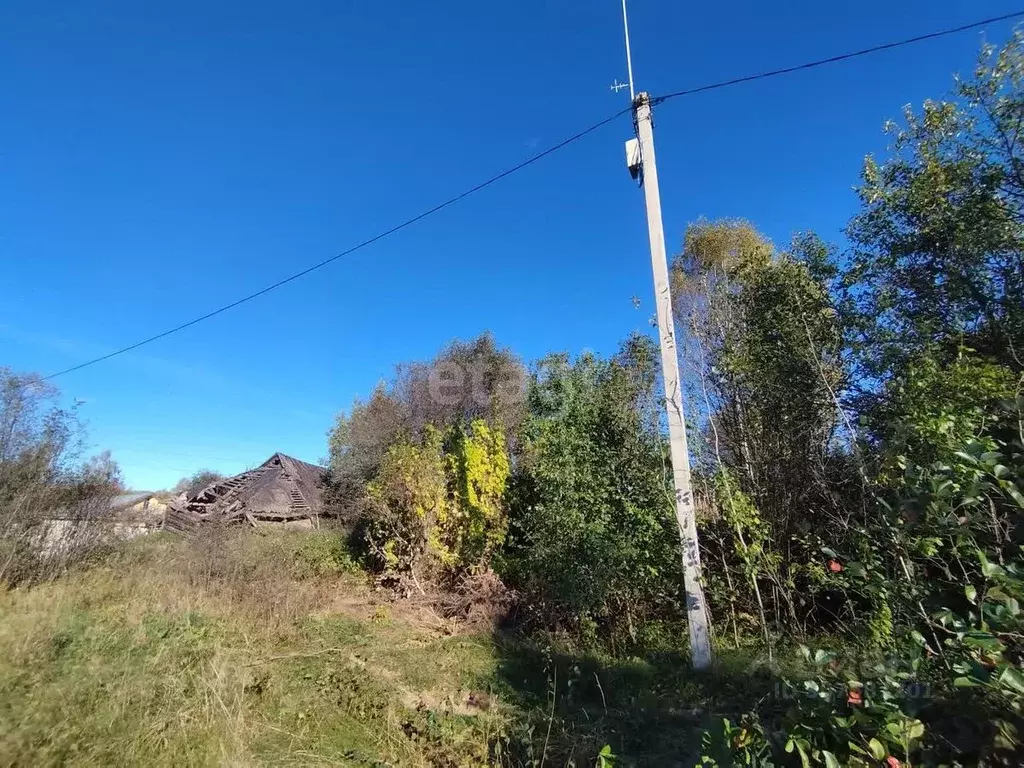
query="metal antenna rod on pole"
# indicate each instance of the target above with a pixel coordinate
(696, 610)
(629, 58)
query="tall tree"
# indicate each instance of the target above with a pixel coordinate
(764, 343)
(938, 257)
(935, 286)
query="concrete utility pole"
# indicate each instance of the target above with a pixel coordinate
(640, 158)
(697, 618)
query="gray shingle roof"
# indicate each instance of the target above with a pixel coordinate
(282, 488)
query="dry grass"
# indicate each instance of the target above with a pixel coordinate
(241, 649)
(238, 650)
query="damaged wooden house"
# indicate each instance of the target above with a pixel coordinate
(281, 491)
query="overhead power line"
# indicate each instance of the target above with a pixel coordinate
(836, 59)
(348, 251)
(530, 161)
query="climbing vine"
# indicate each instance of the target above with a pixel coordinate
(435, 508)
(478, 467)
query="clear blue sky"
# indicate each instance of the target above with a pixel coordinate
(160, 159)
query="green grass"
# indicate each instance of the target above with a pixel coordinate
(168, 656)
(273, 650)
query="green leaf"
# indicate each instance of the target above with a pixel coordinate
(830, 759)
(996, 594)
(854, 747)
(877, 750)
(984, 641)
(990, 569)
(802, 746)
(965, 682)
(1011, 677)
(606, 758)
(972, 593)
(1016, 495)
(896, 730)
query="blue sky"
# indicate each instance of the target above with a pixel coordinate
(160, 159)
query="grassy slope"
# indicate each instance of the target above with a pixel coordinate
(264, 650)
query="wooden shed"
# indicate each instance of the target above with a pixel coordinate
(281, 490)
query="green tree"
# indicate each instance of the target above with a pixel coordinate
(593, 538)
(765, 345)
(938, 260)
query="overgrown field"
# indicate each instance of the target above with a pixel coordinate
(856, 436)
(273, 649)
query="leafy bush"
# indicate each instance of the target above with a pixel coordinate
(437, 508)
(465, 382)
(593, 535)
(406, 502)
(324, 553)
(933, 409)
(956, 627)
(478, 470)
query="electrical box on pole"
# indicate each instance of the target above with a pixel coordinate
(633, 158)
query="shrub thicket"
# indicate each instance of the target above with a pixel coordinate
(52, 504)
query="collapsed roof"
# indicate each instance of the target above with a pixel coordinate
(281, 489)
